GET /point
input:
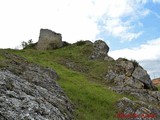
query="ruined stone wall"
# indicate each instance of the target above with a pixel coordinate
(49, 40)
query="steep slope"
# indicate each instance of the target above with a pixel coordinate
(86, 74)
(92, 100)
(29, 91)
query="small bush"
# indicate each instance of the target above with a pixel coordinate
(80, 43)
(28, 45)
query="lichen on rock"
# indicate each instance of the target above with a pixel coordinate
(29, 91)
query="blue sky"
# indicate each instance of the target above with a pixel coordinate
(131, 28)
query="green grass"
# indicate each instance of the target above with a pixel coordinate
(158, 87)
(2, 58)
(92, 99)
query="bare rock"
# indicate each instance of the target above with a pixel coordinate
(137, 110)
(49, 40)
(100, 50)
(148, 96)
(124, 66)
(29, 91)
(129, 77)
(108, 58)
(129, 74)
(141, 75)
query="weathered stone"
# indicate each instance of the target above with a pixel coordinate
(108, 58)
(100, 50)
(119, 80)
(129, 77)
(130, 73)
(28, 91)
(135, 110)
(49, 40)
(124, 66)
(110, 76)
(130, 81)
(141, 94)
(141, 75)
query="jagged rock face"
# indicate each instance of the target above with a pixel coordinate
(129, 77)
(129, 74)
(100, 50)
(49, 40)
(142, 76)
(28, 91)
(136, 110)
(141, 94)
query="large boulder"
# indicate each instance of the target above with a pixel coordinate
(100, 51)
(49, 40)
(141, 75)
(129, 74)
(129, 77)
(30, 92)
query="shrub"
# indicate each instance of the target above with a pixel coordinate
(29, 44)
(80, 43)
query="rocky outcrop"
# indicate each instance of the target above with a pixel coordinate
(49, 40)
(100, 51)
(129, 77)
(136, 110)
(28, 91)
(141, 94)
(127, 73)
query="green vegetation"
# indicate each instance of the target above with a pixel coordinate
(86, 89)
(80, 43)
(158, 87)
(28, 45)
(2, 58)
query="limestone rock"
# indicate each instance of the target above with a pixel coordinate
(129, 77)
(141, 94)
(135, 110)
(108, 58)
(141, 75)
(49, 40)
(29, 91)
(129, 73)
(100, 50)
(124, 66)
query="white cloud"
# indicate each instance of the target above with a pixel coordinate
(156, 14)
(156, 1)
(152, 67)
(22, 20)
(75, 19)
(121, 29)
(148, 51)
(121, 16)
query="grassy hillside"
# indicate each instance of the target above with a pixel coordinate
(80, 78)
(158, 87)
